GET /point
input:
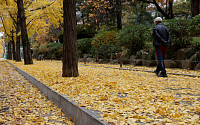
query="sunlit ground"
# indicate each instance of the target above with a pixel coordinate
(125, 97)
(21, 103)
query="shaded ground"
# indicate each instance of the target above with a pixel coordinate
(22, 103)
(125, 97)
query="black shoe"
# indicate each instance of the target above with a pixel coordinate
(156, 72)
(162, 75)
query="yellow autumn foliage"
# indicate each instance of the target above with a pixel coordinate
(22, 103)
(122, 96)
(40, 16)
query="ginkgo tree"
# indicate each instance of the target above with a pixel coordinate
(8, 29)
(13, 16)
(70, 58)
(11, 12)
(45, 19)
(27, 16)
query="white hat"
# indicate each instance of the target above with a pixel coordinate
(158, 19)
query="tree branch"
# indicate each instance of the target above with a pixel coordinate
(157, 6)
(43, 7)
(146, 1)
(32, 20)
(15, 22)
(28, 5)
(160, 10)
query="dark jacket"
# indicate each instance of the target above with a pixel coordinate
(161, 35)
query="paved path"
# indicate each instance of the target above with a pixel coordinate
(136, 97)
(22, 103)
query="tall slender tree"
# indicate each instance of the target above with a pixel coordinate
(18, 57)
(9, 56)
(70, 58)
(26, 45)
(13, 45)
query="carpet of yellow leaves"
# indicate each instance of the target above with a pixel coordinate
(22, 104)
(124, 97)
(171, 70)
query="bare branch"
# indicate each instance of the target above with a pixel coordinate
(146, 1)
(43, 7)
(11, 15)
(15, 22)
(28, 5)
(157, 6)
(160, 10)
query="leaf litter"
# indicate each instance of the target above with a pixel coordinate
(22, 103)
(124, 97)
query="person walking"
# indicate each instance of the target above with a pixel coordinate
(161, 39)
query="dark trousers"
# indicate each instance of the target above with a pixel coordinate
(160, 52)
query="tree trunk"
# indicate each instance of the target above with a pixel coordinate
(13, 50)
(9, 52)
(70, 58)
(195, 7)
(171, 15)
(26, 45)
(18, 57)
(13, 47)
(119, 14)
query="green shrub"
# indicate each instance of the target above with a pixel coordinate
(43, 50)
(179, 33)
(194, 26)
(84, 46)
(51, 50)
(106, 50)
(105, 37)
(104, 44)
(49, 45)
(35, 52)
(196, 42)
(85, 31)
(56, 50)
(195, 47)
(133, 37)
(93, 52)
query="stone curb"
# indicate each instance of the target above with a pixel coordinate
(79, 115)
